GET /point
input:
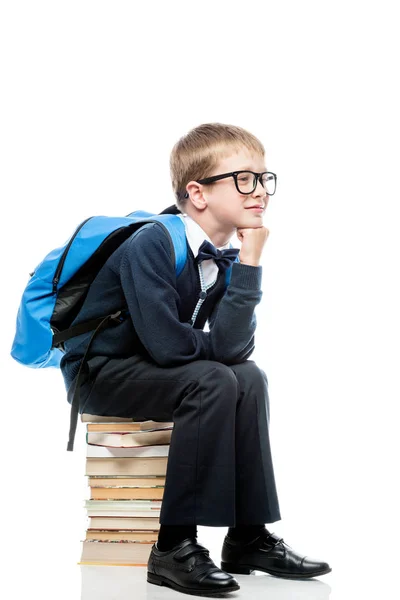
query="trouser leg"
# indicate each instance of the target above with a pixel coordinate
(201, 463)
(256, 494)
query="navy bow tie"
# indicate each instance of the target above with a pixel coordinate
(223, 258)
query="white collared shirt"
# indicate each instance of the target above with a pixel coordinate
(196, 236)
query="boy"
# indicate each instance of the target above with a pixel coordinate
(163, 366)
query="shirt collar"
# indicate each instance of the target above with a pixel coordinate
(196, 235)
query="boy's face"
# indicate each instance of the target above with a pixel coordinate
(226, 206)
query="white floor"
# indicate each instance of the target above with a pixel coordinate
(364, 566)
(121, 583)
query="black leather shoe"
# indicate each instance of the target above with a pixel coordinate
(188, 568)
(269, 553)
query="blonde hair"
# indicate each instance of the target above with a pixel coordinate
(196, 154)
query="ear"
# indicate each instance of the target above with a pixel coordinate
(196, 197)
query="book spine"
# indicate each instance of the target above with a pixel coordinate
(93, 451)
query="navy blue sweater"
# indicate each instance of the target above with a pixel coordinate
(141, 275)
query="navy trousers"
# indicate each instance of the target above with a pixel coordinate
(220, 470)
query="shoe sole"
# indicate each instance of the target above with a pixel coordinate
(247, 569)
(158, 580)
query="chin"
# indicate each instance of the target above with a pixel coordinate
(256, 219)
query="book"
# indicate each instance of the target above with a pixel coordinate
(138, 466)
(124, 523)
(129, 440)
(115, 553)
(142, 451)
(106, 536)
(138, 425)
(123, 504)
(122, 493)
(108, 512)
(131, 482)
(88, 418)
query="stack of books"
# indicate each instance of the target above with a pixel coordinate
(126, 464)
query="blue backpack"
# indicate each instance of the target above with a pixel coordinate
(59, 285)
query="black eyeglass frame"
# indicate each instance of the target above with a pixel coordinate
(235, 174)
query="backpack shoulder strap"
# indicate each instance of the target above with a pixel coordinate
(177, 232)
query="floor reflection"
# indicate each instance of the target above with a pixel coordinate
(123, 583)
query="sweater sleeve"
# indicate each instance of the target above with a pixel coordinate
(242, 315)
(148, 280)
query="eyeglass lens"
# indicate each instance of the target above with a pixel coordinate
(247, 182)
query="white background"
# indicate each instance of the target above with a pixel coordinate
(94, 95)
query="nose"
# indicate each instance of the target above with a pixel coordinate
(260, 190)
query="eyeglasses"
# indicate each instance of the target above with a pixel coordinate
(246, 181)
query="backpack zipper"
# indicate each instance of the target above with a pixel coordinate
(57, 274)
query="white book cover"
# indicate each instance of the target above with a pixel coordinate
(122, 513)
(142, 451)
(123, 504)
